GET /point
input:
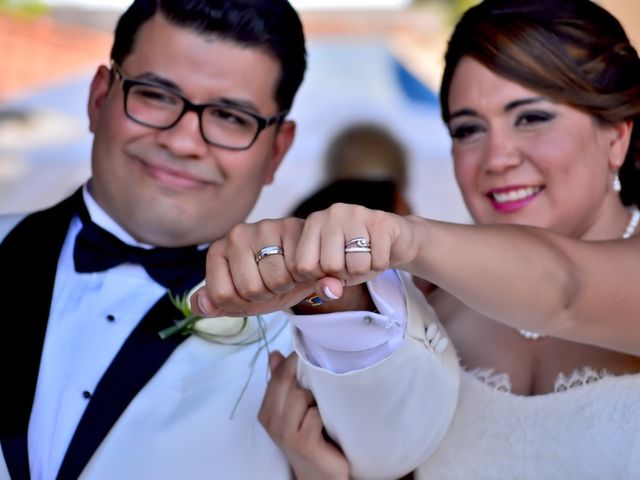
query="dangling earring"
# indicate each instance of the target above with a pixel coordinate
(617, 186)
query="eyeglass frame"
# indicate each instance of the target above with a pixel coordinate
(127, 83)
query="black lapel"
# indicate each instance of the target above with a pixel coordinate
(28, 261)
(136, 363)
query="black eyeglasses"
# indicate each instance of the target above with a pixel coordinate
(154, 106)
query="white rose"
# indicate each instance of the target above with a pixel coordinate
(217, 326)
(220, 326)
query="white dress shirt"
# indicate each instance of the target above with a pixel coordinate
(91, 316)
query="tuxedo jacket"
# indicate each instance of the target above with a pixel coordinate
(181, 408)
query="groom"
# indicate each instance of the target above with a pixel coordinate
(189, 123)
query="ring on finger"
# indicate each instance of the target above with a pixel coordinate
(358, 245)
(269, 250)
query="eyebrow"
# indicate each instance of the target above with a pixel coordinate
(507, 108)
(243, 104)
(229, 102)
(524, 101)
(160, 81)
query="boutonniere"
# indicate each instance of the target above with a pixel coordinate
(242, 331)
(214, 329)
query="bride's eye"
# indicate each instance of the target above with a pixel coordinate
(465, 131)
(531, 118)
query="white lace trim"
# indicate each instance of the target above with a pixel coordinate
(577, 378)
(488, 376)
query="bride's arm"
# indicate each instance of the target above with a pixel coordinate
(533, 279)
(525, 277)
(529, 278)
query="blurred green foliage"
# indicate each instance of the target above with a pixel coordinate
(23, 8)
(454, 8)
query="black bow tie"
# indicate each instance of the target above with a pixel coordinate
(97, 250)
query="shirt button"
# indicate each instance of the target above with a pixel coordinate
(111, 318)
(368, 320)
(86, 394)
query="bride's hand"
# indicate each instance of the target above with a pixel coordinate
(354, 243)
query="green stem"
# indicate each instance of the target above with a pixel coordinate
(182, 325)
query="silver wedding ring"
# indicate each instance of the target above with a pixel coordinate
(270, 250)
(358, 245)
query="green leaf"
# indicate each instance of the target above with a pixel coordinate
(181, 303)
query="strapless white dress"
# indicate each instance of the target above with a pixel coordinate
(588, 429)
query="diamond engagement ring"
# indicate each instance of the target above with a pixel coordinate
(358, 244)
(270, 250)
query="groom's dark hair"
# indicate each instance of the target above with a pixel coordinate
(271, 25)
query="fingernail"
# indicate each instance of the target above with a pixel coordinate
(273, 361)
(202, 302)
(329, 294)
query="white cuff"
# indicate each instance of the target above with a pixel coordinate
(352, 340)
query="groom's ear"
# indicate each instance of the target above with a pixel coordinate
(281, 145)
(98, 92)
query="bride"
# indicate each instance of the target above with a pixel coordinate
(540, 298)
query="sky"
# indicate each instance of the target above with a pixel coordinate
(300, 4)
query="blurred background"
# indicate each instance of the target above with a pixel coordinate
(373, 62)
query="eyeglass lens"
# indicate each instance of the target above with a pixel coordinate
(160, 108)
